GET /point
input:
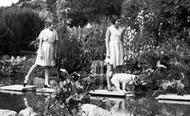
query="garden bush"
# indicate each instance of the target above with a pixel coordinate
(19, 27)
(78, 47)
(162, 28)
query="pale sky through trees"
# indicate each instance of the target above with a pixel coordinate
(7, 2)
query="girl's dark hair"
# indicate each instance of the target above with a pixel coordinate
(114, 19)
(47, 24)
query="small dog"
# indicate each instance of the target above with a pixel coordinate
(166, 85)
(169, 85)
(125, 79)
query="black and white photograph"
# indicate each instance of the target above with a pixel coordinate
(94, 57)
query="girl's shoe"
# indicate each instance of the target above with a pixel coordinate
(109, 89)
(25, 80)
(46, 86)
(25, 83)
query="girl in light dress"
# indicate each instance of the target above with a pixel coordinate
(114, 48)
(46, 52)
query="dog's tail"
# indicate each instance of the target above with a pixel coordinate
(182, 75)
(157, 92)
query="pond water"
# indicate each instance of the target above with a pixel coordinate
(16, 101)
(130, 106)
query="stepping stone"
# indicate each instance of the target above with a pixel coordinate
(174, 97)
(12, 92)
(18, 88)
(114, 93)
(173, 102)
(45, 90)
(106, 98)
(5, 112)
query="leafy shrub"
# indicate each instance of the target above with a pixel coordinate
(78, 47)
(161, 34)
(21, 25)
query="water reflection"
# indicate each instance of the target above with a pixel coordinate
(11, 102)
(118, 107)
(18, 101)
(143, 107)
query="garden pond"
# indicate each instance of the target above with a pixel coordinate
(138, 105)
(124, 107)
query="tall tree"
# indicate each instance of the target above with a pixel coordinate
(83, 11)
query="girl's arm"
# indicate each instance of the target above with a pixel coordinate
(108, 33)
(40, 51)
(56, 45)
(40, 48)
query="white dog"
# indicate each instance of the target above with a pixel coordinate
(124, 79)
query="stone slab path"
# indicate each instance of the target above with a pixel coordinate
(175, 97)
(114, 93)
(18, 89)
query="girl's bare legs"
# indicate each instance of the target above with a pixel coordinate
(116, 83)
(29, 72)
(46, 77)
(108, 76)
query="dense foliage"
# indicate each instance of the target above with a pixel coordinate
(19, 27)
(84, 11)
(161, 24)
(78, 47)
(160, 31)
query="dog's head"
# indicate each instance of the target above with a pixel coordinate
(165, 84)
(138, 80)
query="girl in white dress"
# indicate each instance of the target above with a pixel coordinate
(46, 52)
(114, 48)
